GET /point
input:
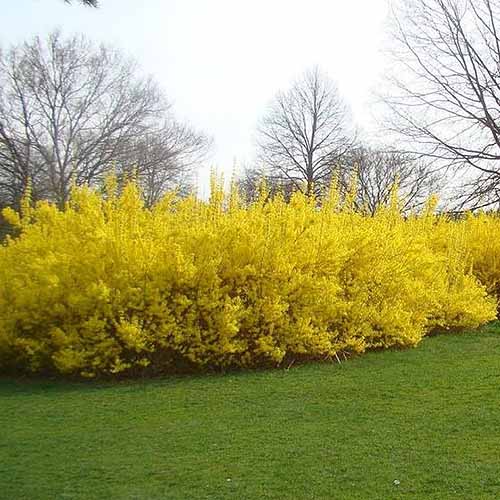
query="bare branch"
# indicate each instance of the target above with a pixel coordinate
(88, 3)
(445, 91)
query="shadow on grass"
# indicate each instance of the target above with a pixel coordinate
(32, 385)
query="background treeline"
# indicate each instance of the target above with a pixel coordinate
(71, 111)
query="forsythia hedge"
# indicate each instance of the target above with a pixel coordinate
(108, 286)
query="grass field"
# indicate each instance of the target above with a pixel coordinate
(421, 423)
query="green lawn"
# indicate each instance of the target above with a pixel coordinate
(427, 417)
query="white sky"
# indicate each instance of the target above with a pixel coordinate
(221, 61)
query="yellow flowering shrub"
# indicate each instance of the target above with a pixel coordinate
(108, 286)
(483, 240)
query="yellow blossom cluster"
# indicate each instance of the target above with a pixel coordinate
(108, 286)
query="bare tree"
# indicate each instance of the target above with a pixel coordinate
(446, 88)
(305, 132)
(378, 171)
(70, 110)
(165, 158)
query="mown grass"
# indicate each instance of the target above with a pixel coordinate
(427, 417)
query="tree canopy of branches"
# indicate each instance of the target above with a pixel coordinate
(446, 89)
(377, 171)
(305, 132)
(71, 111)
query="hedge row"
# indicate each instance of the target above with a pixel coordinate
(108, 286)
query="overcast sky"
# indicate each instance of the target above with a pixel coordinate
(221, 61)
